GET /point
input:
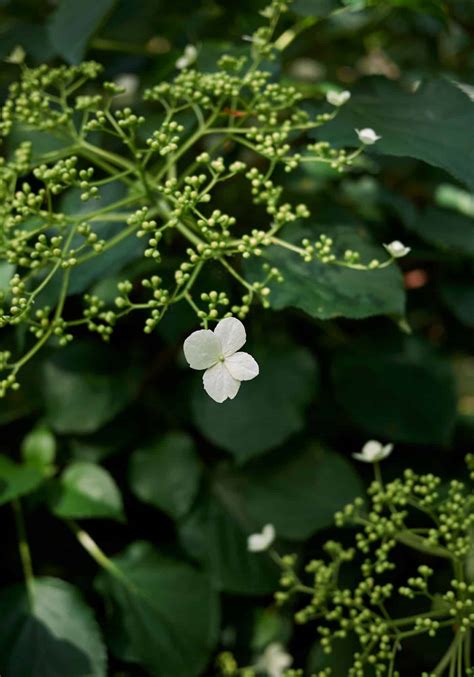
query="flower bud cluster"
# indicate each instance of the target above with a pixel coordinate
(407, 513)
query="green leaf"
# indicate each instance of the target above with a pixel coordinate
(163, 613)
(458, 295)
(86, 490)
(327, 291)
(446, 230)
(166, 473)
(318, 8)
(6, 273)
(85, 386)
(267, 411)
(399, 390)
(54, 633)
(17, 480)
(432, 124)
(215, 533)
(297, 493)
(73, 23)
(39, 447)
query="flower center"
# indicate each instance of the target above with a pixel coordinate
(221, 358)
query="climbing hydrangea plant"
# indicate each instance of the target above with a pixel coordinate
(163, 185)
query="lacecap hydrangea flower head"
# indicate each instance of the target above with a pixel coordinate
(218, 353)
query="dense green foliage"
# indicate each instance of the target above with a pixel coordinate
(147, 190)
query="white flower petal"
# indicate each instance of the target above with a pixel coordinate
(231, 333)
(385, 451)
(261, 541)
(202, 349)
(367, 136)
(242, 366)
(373, 451)
(219, 384)
(397, 249)
(338, 98)
(361, 457)
(187, 58)
(274, 660)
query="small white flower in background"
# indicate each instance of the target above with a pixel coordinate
(189, 56)
(217, 352)
(374, 451)
(367, 136)
(17, 55)
(397, 249)
(274, 660)
(338, 98)
(261, 541)
(129, 82)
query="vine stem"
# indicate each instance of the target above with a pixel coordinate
(24, 550)
(446, 658)
(97, 554)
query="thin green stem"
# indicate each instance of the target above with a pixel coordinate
(236, 275)
(97, 554)
(467, 649)
(24, 550)
(445, 659)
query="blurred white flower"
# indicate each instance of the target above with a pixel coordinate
(373, 451)
(338, 98)
(216, 352)
(188, 57)
(367, 136)
(129, 82)
(274, 660)
(397, 249)
(16, 56)
(306, 69)
(261, 541)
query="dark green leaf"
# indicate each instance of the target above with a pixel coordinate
(215, 533)
(39, 447)
(446, 230)
(297, 493)
(6, 273)
(54, 634)
(164, 614)
(17, 480)
(401, 391)
(73, 23)
(458, 295)
(327, 291)
(85, 386)
(318, 8)
(86, 490)
(433, 124)
(166, 473)
(267, 411)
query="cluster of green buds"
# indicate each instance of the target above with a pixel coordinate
(356, 592)
(110, 184)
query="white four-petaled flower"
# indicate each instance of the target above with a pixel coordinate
(337, 98)
(261, 541)
(373, 451)
(367, 136)
(274, 660)
(217, 352)
(397, 249)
